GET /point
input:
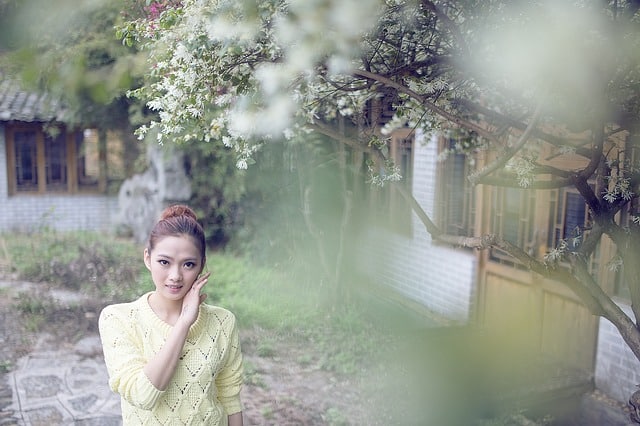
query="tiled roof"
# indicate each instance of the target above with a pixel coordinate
(16, 104)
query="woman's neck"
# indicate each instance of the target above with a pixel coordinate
(167, 310)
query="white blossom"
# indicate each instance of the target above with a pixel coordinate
(242, 164)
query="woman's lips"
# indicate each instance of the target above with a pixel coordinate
(174, 288)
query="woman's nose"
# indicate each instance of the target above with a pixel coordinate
(175, 275)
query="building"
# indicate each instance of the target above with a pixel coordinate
(487, 287)
(52, 176)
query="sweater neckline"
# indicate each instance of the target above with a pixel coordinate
(164, 326)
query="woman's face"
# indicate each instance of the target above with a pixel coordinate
(175, 263)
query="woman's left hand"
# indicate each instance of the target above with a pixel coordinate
(193, 299)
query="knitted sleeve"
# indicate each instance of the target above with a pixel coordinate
(124, 359)
(229, 380)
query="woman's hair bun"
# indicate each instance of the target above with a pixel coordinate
(177, 211)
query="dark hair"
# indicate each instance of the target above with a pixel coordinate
(178, 220)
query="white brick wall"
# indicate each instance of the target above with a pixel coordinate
(617, 369)
(57, 211)
(440, 278)
(60, 212)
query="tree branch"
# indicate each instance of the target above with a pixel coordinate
(516, 124)
(609, 309)
(500, 161)
(448, 23)
(428, 104)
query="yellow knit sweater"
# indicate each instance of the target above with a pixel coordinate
(205, 388)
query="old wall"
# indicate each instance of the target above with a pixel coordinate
(63, 212)
(617, 369)
(440, 278)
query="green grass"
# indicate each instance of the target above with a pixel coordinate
(272, 300)
(112, 270)
(258, 295)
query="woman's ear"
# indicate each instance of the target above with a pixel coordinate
(147, 259)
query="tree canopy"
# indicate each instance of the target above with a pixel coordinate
(242, 72)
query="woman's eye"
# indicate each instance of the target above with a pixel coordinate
(163, 262)
(189, 265)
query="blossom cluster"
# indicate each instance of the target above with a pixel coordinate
(243, 72)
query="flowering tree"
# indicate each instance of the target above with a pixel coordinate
(508, 77)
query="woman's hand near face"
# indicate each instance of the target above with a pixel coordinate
(193, 299)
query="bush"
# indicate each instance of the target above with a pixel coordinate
(95, 263)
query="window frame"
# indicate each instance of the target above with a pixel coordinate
(558, 218)
(620, 290)
(389, 207)
(449, 180)
(70, 183)
(625, 219)
(525, 224)
(400, 212)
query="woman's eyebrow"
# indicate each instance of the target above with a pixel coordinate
(188, 259)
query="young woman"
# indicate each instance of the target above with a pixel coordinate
(173, 359)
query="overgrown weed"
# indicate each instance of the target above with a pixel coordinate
(34, 308)
(96, 264)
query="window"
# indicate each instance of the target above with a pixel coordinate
(380, 109)
(42, 161)
(627, 216)
(26, 165)
(401, 151)
(512, 220)
(568, 219)
(55, 157)
(621, 288)
(387, 202)
(455, 201)
(88, 158)
(569, 222)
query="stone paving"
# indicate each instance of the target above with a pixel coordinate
(63, 387)
(57, 382)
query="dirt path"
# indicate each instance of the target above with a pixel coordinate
(285, 384)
